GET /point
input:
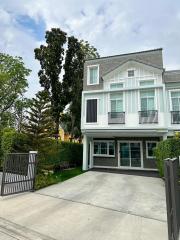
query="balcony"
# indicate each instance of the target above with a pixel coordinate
(175, 117)
(116, 117)
(150, 116)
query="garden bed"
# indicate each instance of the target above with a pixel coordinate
(48, 178)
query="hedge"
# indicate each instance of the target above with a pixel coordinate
(53, 152)
(169, 148)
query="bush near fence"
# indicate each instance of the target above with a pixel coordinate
(169, 148)
(53, 152)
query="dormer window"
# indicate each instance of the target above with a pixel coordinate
(131, 73)
(93, 75)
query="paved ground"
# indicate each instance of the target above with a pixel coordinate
(92, 206)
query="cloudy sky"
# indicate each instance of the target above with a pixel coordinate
(112, 26)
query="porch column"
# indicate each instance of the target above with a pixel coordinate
(85, 153)
(164, 136)
(91, 154)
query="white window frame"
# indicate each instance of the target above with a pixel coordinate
(131, 69)
(155, 99)
(145, 80)
(109, 100)
(121, 82)
(93, 98)
(141, 150)
(170, 99)
(105, 155)
(147, 148)
(88, 74)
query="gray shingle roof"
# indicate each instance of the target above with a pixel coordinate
(172, 76)
(151, 57)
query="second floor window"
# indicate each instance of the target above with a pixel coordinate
(91, 111)
(175, 100)
(93, 75)
(147, 100)
(116, 101)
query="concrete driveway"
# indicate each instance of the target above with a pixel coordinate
(92, 206)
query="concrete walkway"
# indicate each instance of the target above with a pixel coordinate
(92, 206)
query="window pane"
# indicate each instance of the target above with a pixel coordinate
(113, 105)
(116, 85)
(96, 148)
(103, 148)
(124, 154)
(93, 71)
(150, 104)
(135, 155)
(150, 149)
(176, 104)
(119, 106)
(149, 93)
(111, 148)
(175, 94)
(143, 104)
(147, 83)
(131, 73)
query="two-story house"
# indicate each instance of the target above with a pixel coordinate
(129, 103)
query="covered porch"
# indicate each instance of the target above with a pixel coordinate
(123, 149)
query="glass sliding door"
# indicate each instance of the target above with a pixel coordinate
(130, 154)
(124, 154)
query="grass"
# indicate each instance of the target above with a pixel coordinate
(43, 180)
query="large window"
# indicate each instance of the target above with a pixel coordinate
(175, 100)
(147, 100)
(150, 146)
(93, 75)
(91, 111)
(104, 148)
(116, 102)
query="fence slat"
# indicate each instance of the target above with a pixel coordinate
(171, 167)
(19, 172)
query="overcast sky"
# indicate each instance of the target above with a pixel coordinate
(112, 26)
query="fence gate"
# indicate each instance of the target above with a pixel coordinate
(19, 171)
(171, 169)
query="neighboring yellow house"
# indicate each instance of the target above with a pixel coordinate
(64, 136)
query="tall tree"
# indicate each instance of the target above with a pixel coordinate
(51, 56)
(39, 123)
(76, 54)
(13, 81)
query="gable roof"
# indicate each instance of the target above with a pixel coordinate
(131, 60)
(172, 76)
(151, 57)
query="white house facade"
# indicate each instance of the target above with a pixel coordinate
(129, 104)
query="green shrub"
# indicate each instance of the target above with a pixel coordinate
(169, 148)
(12, 141)
(51, 153)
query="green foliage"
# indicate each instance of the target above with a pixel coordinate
(169, 148)
(53, 152)
(49, 178)
(12, 141)
(51, 57)
(39, 124)
(13, 81)
(76, 54)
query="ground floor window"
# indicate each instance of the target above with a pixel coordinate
(104, 148)
(150, 149)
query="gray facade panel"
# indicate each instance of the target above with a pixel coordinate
(107, 64)
(172, 76)
(105, 161)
